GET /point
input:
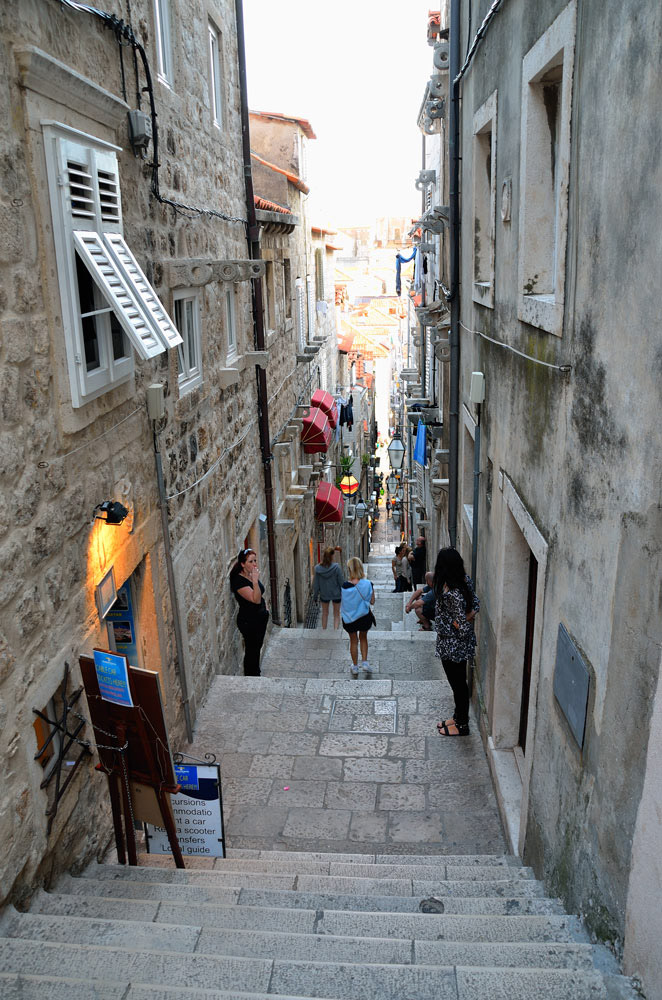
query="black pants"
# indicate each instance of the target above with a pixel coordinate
(253, 633)
(456, 674)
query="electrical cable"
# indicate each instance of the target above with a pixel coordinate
(94, 440)
(565, 369)
(492, 12)
(121, 31)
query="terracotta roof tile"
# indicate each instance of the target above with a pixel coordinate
(270, 206)
(303, 123)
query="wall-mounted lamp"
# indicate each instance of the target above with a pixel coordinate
(110, 511)
(361, 508)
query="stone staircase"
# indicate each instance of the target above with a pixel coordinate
(315, 758)
(288, 925)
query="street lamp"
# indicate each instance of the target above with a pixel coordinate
(400, 493)
(361, 508)
(396, 451)
(396, 515)
(391, 484)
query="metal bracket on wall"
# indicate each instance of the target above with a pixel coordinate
(59, 725)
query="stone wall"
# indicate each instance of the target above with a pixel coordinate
(57, 462)
(576, 449)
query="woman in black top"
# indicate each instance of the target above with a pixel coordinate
(253, 616)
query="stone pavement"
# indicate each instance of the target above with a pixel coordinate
(312, 760)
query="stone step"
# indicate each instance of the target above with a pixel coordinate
(288, 861)
(478, 902)
(55, 988)
(419, 926)
(345, 877)
(337, 981)
(422, 888)
(318, 946)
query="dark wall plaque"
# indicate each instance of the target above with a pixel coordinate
(571, 684)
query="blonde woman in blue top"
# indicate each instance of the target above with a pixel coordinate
(356, 598)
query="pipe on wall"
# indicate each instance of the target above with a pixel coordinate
(454, 225)
(253, 239)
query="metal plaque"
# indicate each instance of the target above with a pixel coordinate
(571, 684)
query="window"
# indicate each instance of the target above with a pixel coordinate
(287, 287)
(230, 324)
(544, 174)
(215, 74)
(484, 166)
(189, 352)
(107, 302)
(300, 313)
(163, 47)
(319, 275)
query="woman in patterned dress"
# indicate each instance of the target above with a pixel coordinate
(456, 609)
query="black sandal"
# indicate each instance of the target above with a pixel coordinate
(444, 730)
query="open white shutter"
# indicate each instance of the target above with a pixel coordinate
(100, 262)
(136, 280)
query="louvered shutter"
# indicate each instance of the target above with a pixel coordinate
(311, 307)
(100, 262)
(108, 187)
(300, 317)
(420, 483)
(135, 278)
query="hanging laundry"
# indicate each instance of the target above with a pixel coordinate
(399, 261)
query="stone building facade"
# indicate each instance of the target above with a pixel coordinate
(115, 279)
(560, 226)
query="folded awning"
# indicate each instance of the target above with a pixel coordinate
(329, 504)
(316, 432)
(326, 402)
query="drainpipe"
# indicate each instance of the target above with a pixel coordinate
(174, 601)
(474, 528)
(454, 225)
(253, 238)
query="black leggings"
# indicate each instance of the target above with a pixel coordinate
(456, 674)
(253, 633)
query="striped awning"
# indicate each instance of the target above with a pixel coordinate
(329, 504)
(316, 432)
(326, 402)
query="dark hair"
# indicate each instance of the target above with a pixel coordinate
(449, 570)
(239, 564)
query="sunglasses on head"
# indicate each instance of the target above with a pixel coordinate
(247, 552)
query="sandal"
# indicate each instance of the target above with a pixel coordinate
(444, 730)
(446, 722)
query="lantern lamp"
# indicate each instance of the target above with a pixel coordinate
(361, 508)
(396, 451)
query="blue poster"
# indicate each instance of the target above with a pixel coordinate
(419, 447)
(113, 677)
(120, 620)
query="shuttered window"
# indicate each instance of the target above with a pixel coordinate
(300, 314)
(311, 306)
(108, 304)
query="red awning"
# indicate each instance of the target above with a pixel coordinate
(329, 504)
(326, 402)
(316, 432)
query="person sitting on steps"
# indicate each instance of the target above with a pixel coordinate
(422, 601)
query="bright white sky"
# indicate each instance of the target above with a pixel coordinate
(357, 70)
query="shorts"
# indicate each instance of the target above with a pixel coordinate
(361, 624)
(327, 602)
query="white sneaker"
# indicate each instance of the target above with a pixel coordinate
(355, 670)
(366, 667)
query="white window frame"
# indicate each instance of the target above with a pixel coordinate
(215, 42)
(163, 41)
(543, 246)
(189, 352)
(320, 290)
(85, 201)
(230, 315)
(484, 198)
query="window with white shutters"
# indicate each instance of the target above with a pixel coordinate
(189, 352)
(108, 305)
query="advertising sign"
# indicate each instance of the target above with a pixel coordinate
(198, 813)
(112, 671)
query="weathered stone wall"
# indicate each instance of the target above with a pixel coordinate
(57, 463)
(578, 448)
